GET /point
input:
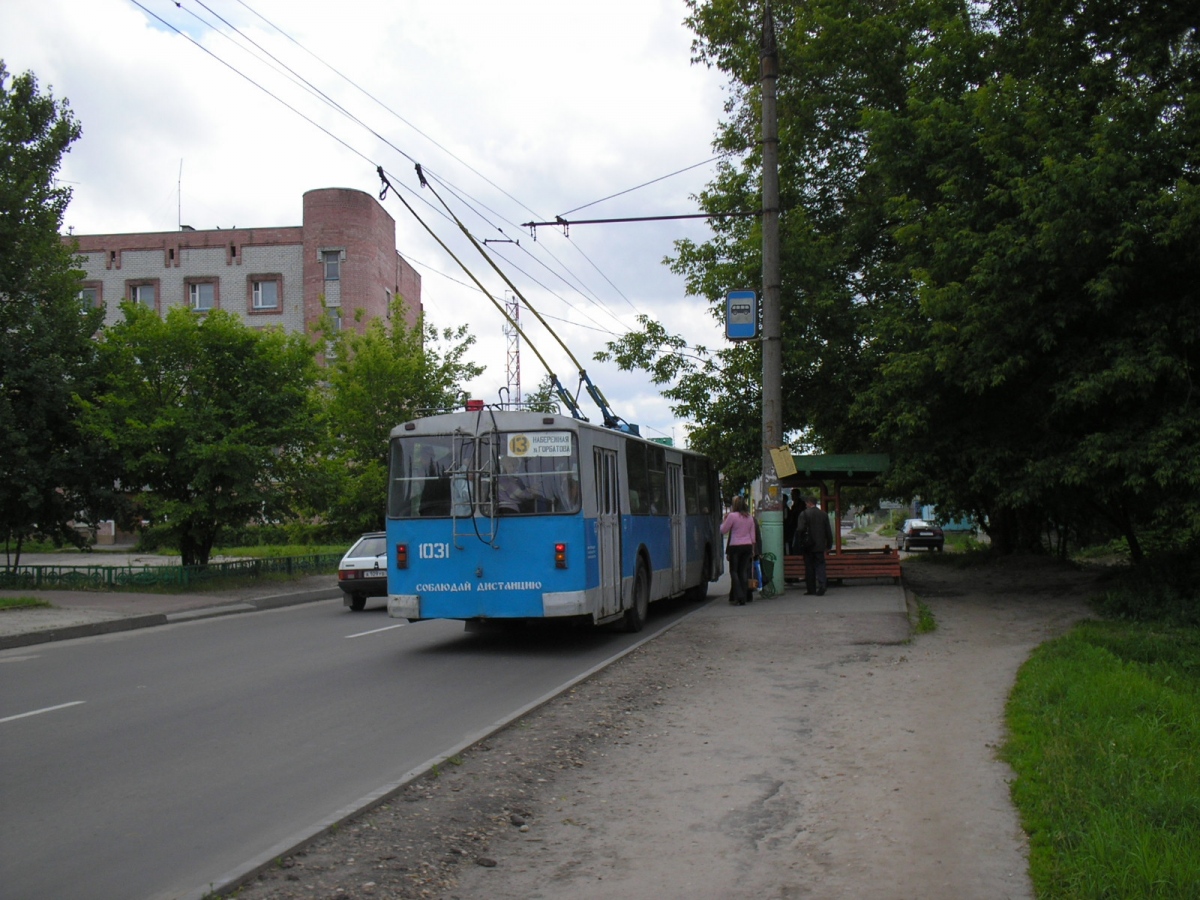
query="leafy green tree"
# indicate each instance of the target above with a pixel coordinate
(990, 248)
(543, 398)
(215, 422)
(1042, 180)
(832, 236)
(388, 374)
(46, 348)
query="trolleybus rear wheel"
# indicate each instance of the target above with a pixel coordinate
(635, 616)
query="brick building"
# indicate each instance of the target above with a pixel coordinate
(344, 253)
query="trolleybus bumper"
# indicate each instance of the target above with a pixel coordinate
(404, 606)
(566, 603)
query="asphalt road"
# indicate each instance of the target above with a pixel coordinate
(154, 763)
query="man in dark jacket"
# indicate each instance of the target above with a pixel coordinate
(815, 536)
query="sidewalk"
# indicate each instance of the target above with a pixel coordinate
(76, 614)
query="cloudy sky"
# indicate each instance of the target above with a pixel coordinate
(528, 109)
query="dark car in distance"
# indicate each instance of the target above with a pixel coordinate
(362, 573)
(920, 533)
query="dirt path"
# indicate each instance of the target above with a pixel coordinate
(779, 754)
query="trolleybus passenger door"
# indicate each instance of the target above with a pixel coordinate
(608, 528)
(678, 534)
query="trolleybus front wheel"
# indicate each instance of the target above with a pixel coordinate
(635, 616)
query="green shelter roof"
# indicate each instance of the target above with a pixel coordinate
(841, 468)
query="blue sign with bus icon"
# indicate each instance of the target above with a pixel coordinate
(741, 315)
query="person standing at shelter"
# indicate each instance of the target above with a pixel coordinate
(790, 521)
(815, 536)
(739, 525)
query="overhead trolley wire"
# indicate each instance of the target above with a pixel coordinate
(570, 401)
(317, 92)
(303, 82)
(432, 270)
(281, 101)
(595, 297)
(387, 108)
(642, 185)
(611, 420)
(237, 71)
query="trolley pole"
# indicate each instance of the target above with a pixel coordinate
(771, 501)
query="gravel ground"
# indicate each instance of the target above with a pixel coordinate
(780, 754)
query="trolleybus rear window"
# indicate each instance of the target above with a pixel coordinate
(503, 474)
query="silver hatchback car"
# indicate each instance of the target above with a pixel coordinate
(362, 573)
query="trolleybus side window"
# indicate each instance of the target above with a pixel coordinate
(647, 467)
(695, 485)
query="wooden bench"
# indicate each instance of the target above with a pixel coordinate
(849, 564)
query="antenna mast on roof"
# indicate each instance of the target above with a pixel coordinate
(511, 330)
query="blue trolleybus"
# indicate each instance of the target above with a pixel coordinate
(513, 515)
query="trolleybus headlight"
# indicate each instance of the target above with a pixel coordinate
(560, 556)
(402, 556)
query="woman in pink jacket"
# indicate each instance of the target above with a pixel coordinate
(739, 525)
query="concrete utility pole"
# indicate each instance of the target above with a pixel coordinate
(771, 503)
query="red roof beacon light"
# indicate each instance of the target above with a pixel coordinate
(474, 405)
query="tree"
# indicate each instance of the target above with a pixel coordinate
(215, 422)
(831, 231)
(388, 374)
(990, 232)
(46, 348)
(1044, 204)
(543, 398)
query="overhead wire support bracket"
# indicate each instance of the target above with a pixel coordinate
(565, 224)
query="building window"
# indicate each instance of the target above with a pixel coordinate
(332, 260)
(264, 294)
(90, 296)
(202, 295)
(144, 292)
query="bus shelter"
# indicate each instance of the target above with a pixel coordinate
(826, 475)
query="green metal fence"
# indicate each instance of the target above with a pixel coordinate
(115, 578)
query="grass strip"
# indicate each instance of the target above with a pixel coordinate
(1104, 723)
(23, 603)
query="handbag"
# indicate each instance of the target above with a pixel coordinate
(756, 576)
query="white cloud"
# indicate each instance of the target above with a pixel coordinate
(558, 103)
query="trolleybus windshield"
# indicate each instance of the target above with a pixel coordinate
(492, 474)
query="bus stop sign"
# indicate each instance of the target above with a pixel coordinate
(741, 315)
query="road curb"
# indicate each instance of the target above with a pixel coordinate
(69, 632)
